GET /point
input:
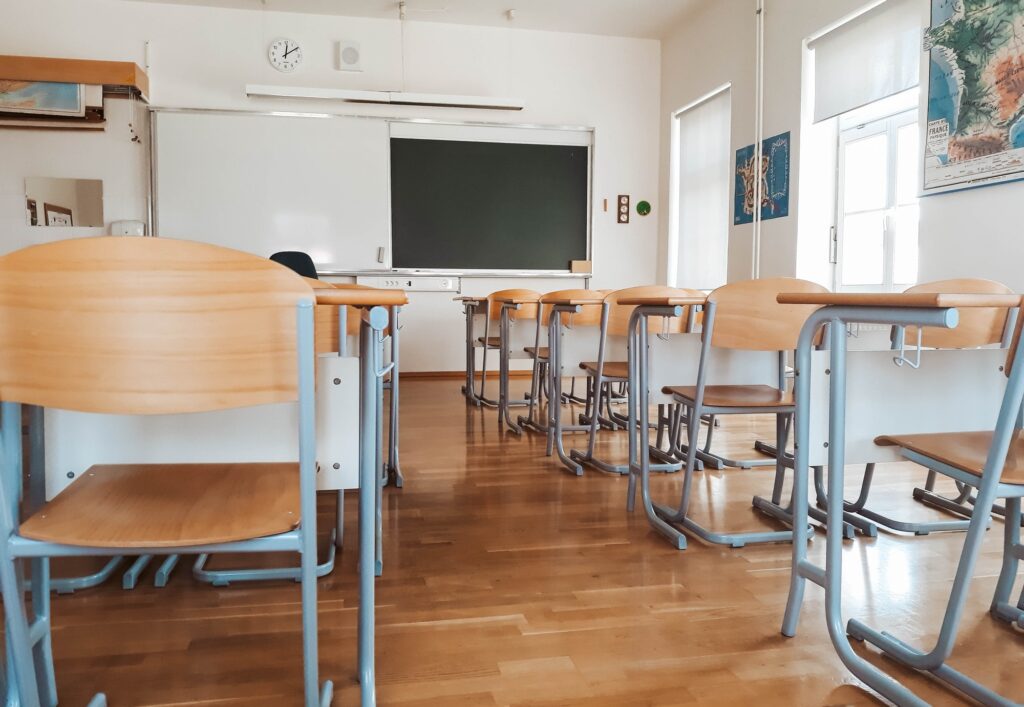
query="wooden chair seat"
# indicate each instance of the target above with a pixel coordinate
(734, 396)
(966, 451)
(171, 505)
(493, 342)
(544, 354)
(618, 370)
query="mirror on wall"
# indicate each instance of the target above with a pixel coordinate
(54, 201)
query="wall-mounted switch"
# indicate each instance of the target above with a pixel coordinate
(623, 208)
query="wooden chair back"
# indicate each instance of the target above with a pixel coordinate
(589, 314)
(979, 326)
(619, 314)
(748, 317)
(526, 312)
(146, 326)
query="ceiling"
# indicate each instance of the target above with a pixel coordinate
(626, 18)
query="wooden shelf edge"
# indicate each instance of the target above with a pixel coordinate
(87, 71)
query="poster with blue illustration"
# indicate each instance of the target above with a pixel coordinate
(975, 125)
(774, 176)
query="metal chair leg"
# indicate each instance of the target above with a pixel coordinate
(395, 475)
(1013, 553)
(131, 575)
(163, 572)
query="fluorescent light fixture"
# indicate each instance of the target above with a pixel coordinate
(439, 99)
(339, 94)
(394, 97)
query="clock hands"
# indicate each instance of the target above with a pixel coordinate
(289, 51)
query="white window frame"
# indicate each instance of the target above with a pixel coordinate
(889, 125)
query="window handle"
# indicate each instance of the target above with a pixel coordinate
(833, 246)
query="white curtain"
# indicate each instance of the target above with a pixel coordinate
(702, 175)
(873, 56)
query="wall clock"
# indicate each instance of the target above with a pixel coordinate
(285, 54)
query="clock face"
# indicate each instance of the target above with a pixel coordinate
(285, 54)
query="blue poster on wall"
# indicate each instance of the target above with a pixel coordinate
(774, 180)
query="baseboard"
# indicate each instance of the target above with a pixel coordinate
(458, 375)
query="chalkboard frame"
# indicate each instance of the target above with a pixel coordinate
(523, 138)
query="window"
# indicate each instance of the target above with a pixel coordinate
(700, 177)
(860, 90)
(877, 212)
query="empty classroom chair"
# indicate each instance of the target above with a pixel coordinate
(515, 311)
(148, 326)
(539, 379)
(741, 316)
(610, 366)
(573, 323)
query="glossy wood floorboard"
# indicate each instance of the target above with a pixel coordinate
(508, 581)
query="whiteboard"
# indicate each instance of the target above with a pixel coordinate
(265, 183)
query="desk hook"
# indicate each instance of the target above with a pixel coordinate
(664, 335)
(379, 371)
(902, 358)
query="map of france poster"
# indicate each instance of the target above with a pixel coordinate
(774, 180)
(975, 131)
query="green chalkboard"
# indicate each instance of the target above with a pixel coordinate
(461, 205)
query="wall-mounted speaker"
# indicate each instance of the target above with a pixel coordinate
(350, 58)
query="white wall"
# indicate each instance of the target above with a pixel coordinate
(109, 155)
(963, 234)
(203, 57)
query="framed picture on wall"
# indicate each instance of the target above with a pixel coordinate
(42, 98)
(774, 175)
(974, 132)
(57, 215)
(31, 212)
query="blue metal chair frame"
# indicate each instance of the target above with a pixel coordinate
(504, 352)
(37, 475)
(390, 472)
(29, 643)
(393, 469)
(480, 398)
(601, 393)
(470, 307)
(830, 576)
(504, 355)
(664, 519)
(539, 391)
(539, 387)
(555, 428)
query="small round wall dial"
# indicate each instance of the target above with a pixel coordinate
(285, 54)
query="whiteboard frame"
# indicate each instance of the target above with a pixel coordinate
(154, 206)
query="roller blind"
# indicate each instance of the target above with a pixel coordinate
(700, 208)
(871, 57)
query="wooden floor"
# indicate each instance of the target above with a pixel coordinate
(509, 582)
